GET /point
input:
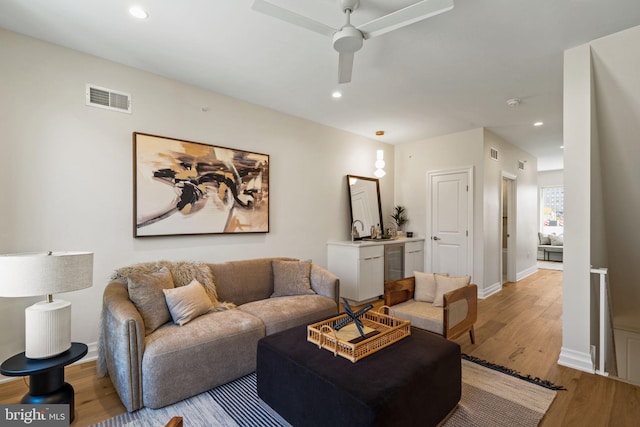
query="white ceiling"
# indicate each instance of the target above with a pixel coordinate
(446, 74)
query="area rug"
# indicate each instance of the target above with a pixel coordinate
(492, 396)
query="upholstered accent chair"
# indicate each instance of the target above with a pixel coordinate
(444, 305)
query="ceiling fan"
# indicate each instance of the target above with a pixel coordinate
(348, 39)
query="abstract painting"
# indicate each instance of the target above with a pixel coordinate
(183, 187)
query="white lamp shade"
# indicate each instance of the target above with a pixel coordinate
(32, 274)
(47, 323)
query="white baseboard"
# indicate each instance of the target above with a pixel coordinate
(488, 291)
(528, 272)
(92, 354)
(576, 360)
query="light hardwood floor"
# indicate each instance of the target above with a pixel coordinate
(519, 327)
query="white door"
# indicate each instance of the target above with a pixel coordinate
(450, 227)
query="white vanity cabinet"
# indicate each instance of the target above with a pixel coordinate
(360, 270)
(360, 266)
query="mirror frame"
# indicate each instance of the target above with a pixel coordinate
(366, 232)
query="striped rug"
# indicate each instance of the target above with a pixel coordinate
(490, 398)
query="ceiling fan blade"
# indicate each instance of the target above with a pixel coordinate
(406, 16)
(292, 17)
(345, 67)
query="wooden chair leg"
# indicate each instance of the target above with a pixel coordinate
(175, 422)
(472, 335)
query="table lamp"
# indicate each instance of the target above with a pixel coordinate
(47, 323)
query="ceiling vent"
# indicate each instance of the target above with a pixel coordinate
(107, 98)
(520, 165)
(493, 153)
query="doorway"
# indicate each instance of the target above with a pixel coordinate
(507, 229)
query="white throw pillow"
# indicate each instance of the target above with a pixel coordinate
(446, 284)
(187, 302)
(556, 240)
(425, 289)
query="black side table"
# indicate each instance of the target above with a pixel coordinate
(46, 376)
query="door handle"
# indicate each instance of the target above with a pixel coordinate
(435, 238)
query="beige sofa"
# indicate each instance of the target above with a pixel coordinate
(248, 300)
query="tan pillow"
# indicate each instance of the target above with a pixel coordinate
(425, 289)
(187, 302)
(291, 278)
(145, 291)
(446, 284)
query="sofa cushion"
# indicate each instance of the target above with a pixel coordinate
(187, 302)
(421, 314)
(213, 349)
(446, 284)
(145, 291)
(286, 312)
(291, 278)
(232, 277)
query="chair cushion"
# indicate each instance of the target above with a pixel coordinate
(425, 289)
(446, 284)
(421, 314)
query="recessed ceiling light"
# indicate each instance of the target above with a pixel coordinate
(538, 123)
(562, 146)
(138, 12)
(337, 94)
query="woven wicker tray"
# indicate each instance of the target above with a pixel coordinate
(390, 329)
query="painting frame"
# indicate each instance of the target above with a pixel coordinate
(185, 188)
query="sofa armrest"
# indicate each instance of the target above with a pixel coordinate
(122, 337)
(460, 311)
(325, 283)
(398, 291)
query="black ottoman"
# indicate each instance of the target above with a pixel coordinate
(414, 382)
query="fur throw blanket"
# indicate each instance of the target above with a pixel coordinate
(182, 272)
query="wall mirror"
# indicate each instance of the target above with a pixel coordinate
(364, 201)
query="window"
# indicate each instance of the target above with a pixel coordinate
(552, 210)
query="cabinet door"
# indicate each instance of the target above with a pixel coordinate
(371, 283)
(413, 257)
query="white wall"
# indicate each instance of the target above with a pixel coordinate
(415, 159)
(602, 199)
(68, 170)
(616, 67)
(462, 150)
(577, 105)
(526, 236)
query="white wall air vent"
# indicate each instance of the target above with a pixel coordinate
(107, 98)
(520, 165)
(493, 153)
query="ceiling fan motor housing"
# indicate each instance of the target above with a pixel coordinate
(348, 40)
(349, 4)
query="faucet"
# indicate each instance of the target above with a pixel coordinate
(354, 229)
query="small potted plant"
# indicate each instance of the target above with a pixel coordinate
(399, 216)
